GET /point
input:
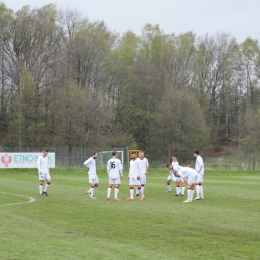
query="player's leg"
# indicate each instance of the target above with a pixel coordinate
(182, 188)
(92, 186)
(143, 183)
(178, 190)
(201, 188)
(116, 191)
(109, 188)
(131, 187)
(41, 185)
(136, 191)
(48, 183)
(198, 187)
(168, 182)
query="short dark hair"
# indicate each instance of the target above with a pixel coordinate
(45, 150)
(95, 153)
(133, 152)
(175, 155)
(114, 153)
(196, 152)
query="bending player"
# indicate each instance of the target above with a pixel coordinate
(143, 166)
(180, 185)
(199, 167)
(190, 176)
(92, 174)
(44, 172)
(134, 177)
(115, 172)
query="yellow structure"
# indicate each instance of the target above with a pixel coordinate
(129, 155)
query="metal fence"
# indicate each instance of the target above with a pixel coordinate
(75, 156)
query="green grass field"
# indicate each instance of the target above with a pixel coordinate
(69, 225)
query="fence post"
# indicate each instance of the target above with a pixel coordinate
(225, 160)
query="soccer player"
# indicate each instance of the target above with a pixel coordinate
(115, 172)
(143, 166)
(199, 167)
(92, 174)
(190, 176)
(174, 167)
(44, 172)
(134, 177)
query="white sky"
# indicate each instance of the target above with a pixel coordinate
(240, 18)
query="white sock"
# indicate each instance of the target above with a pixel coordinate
(198, 190)
(192, 194)
(131, 193)
(108, 191)
(169, 187)
(116, 192)
(177, 189)
(46, 187)
(142, 189)
(188, 194)
(182, 190)
(201, 191)
(40, 187)
(91, 191)
(136, 190)
(141, 192)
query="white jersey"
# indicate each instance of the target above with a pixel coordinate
(134, 169)
(199, 165)
(91, 165)
(42, 164)
(143, 163)
(186, 172)
(114, 168)
(175, 167)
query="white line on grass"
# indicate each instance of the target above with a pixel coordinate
(31, 199)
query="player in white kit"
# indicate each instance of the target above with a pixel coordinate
(199, 167)
(44, 172)
(134, 177)
(190, 176)
(180, 185)
(143, 166)
(115, 172)
(92, 174)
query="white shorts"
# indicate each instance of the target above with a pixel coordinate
(114, 181)
(200, 178)
(192, 179)
(133, 181)
(44, 176)
(143, 179)
(93, 179)
(171, 178)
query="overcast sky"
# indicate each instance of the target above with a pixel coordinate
(240, 18)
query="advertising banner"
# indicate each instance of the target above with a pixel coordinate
(24, 160)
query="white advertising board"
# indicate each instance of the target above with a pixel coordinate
(24, 160)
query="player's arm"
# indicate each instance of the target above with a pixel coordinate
(200, 164)
(87, 162)
(39, 165)
(108, 167)
(120, 168)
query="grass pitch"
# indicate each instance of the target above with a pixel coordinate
(69, 225)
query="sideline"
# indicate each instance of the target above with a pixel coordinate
(31, 199)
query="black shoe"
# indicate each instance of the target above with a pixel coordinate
(137, 194)
(41, 194)
(181, 195)
(45, 193)
(176, 194)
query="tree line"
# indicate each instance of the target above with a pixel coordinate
(68, 81)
